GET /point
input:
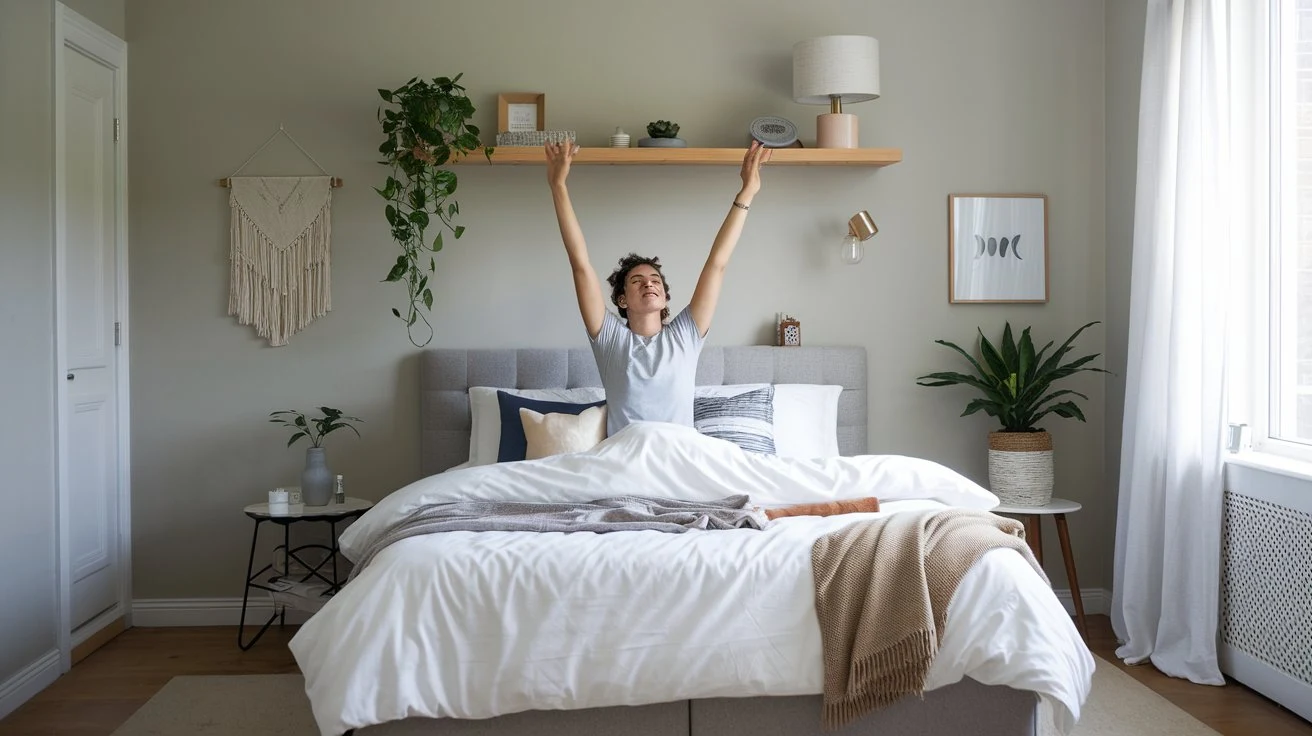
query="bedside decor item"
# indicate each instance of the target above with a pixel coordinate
(521, 111)
(1014, 381)
(832, 70)
(860, 228)
(619, 139)
(428, 129)
(278, 502)
(279, 248)
(773, 132)
(534, 138)
(316, 478)
(789, 334)
(664, 134)
(997, 248)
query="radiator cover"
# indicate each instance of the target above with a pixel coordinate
(1266, 595)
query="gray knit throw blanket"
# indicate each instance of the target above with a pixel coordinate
(615, 514)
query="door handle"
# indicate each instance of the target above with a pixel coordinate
(70, 376)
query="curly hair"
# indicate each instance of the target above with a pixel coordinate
(621, 274)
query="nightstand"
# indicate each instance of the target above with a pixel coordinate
(285, 588)
(1057, 508)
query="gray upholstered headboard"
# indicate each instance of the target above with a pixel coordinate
(445, 376)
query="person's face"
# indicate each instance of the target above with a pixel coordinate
(644, 290)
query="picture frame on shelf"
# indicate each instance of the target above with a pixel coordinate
(521, 111)
(997, 248)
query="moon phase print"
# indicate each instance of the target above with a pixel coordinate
(997, 248)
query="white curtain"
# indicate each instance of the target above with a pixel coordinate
(1167, 567)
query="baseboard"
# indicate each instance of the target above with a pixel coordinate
(1097, 601)
(29, 681)
(150, 612)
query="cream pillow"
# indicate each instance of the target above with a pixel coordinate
(557, 434)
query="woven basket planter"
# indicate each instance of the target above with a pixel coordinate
(1020, 467)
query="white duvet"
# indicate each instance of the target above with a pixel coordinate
(476, 625)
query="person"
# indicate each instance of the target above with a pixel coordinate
(648, 362)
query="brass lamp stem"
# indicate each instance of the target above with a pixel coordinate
(835, 104)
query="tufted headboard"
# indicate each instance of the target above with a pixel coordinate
(445, 376)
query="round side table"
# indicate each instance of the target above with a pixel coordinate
(1057, 508)
(333, 514)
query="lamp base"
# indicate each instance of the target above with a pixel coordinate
(835, 130)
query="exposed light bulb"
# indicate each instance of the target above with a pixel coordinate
(853, 250)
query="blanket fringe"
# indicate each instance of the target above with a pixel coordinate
(881, 679)
(279, 291)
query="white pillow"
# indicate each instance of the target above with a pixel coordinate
(560, 434)
(485, 414)
(805, 416)
(806, 420)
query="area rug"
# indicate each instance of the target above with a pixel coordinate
(275, 705)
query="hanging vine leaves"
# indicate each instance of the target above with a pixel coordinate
(427, 128)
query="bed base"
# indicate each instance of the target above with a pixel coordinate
(964, 708)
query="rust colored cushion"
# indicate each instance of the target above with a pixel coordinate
(829, 508)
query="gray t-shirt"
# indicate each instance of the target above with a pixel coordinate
(648, 379)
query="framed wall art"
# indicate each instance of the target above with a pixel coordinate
(521, 111)
(997, 248)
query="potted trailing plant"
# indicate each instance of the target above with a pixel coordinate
(664, 134)
(316, 478)
(427, 129)
(1015, 382)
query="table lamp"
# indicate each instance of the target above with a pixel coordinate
(831, 70)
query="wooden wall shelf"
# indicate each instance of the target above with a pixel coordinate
(533, 155)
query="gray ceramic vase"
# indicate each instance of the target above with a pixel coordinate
(662, 143)
(316, 479)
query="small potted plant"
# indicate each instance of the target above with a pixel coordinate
(316, 478)
(664, 134)
(1015, 383)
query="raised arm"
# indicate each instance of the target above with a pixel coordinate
(587, 287)
(707, 293)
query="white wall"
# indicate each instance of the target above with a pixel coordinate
(28, 606)
(982, 97)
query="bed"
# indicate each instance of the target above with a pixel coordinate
(377, 676)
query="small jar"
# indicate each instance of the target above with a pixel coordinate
(278, 502)
(339, 490)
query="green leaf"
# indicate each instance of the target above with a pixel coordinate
(391, 215)
(1025, 358)
(385, 94)
(419, 217)
(397, 272)
(1008, 349)
(437, 242)
(460, 230)
(396, 313)
(977, 404)
(428, 299)
(997, 368)
(452, 209)
(295, 437)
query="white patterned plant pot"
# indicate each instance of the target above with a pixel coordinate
(1020, 467)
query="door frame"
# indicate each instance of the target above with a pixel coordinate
(73, 30)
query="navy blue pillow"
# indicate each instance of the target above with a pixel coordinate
(514, 445)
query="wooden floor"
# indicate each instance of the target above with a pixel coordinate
(101, 692)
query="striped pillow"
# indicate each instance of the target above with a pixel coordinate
(747, 420)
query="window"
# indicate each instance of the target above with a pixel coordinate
(1287, 428)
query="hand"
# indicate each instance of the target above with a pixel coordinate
(755, 156)
(559, 156)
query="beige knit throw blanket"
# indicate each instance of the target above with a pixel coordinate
(882, 589)
(280, 257)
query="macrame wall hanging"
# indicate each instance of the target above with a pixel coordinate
(280, 248)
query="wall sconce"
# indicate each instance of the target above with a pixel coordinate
(860, 228)
(831, 70)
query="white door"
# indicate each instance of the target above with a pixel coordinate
(88, 304)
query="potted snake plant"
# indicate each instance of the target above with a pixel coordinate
(1015, 385)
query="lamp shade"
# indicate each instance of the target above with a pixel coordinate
(846, 67)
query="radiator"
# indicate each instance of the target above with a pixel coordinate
(1266, 586)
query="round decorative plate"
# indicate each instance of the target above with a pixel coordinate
(773, 131)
